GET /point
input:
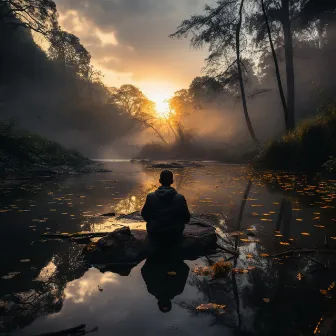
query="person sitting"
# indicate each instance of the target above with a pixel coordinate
(165, 212)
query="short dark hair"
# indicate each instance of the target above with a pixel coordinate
(166, 177)
(165, 306)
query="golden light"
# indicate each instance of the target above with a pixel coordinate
(159, 93)
(161, 104)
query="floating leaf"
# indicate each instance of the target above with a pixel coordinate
(299, 276)
(264, 255)
(171, 273)
(240, 270)
(210, 306)
(319, 226)
(249, 256)
(284, 243)
(267, 300)
(10, 275)
(299, 219)
(305, 234)
(25, 260)
(323, 291)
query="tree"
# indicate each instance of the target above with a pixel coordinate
(67, 49)
(132, 101)
(37, 15)
(220, 27)
(276, 63)
(180, 105)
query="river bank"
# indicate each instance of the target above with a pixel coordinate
(24, 154)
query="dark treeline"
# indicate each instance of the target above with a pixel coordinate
(286, 57)
(56, 93)
(271, 64)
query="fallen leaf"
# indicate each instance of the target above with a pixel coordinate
(319, 226)
(284, 243)
(171, 273)
(299, 219)
(267, 300)
(323, 291)
(305, 234)
(299, 276)
(210, 306)
(264, 255)
(10, 275)
(249, 256)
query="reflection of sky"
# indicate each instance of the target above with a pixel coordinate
(124, 307)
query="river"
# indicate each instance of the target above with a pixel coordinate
(44, 287)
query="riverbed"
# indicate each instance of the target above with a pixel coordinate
(45, 287)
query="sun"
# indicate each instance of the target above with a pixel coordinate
(162, 109)
(161, 101)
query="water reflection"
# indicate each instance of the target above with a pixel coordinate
(54, 290)
(165, 278)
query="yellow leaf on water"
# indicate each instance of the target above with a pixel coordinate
(264, 255)
(210, 306)
(299, 219)
(334, 238)
(249, 256)
(267, 300)
(278, 235)
(323, 291)
(319, 226)
(284, 243)
(305, 234)
(172, 273)
(299, 276)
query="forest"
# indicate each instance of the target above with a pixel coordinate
(270, 67)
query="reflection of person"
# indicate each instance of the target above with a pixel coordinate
(165, 211)
(165, 279)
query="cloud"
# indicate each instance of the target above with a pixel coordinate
(129, 38)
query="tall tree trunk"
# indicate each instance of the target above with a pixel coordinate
(276, 64)
(288, 39)
(241, 80)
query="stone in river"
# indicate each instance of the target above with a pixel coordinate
(124, 249)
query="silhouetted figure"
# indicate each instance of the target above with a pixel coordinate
(165, 212)
(165, 278)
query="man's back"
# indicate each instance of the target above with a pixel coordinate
(165, 211)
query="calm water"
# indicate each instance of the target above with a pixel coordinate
(45, 287)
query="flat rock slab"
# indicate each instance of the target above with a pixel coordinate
(176, 164)
(124, 247)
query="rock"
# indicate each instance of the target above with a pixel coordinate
(176, 164)
(122, 249)
(118, 247)
(141, 161)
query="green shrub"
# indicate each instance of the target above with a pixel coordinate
(20, 149)
(305, 149)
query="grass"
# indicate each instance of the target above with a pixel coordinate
(308, 148)
(21, 150)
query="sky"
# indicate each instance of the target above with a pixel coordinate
(129, 41)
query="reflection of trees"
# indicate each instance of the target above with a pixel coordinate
(224, 291)
(295, 307)
(46, 295)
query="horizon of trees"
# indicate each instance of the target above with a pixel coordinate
(59, 94)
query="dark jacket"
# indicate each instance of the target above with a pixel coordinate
(165, 211)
